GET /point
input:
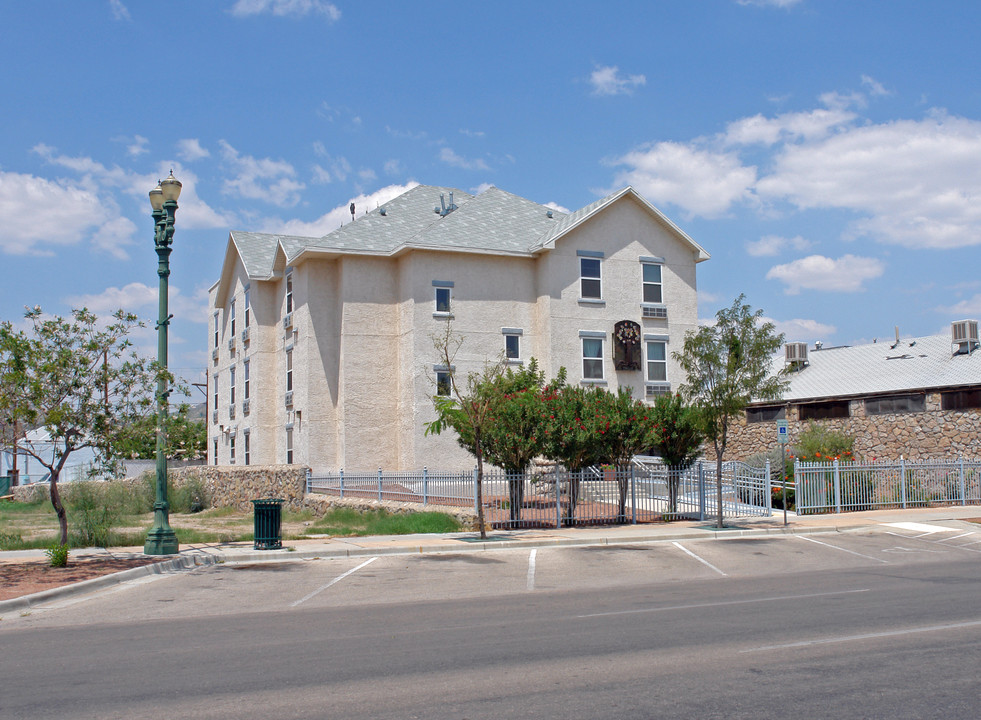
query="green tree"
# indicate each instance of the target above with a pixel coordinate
(727, 365)
(75, 378)
(468, 408)
(512, 439)
(676, 436)
(574, 433)
(187, 439)
(625, 427)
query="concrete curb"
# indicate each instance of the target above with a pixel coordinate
(39, 599)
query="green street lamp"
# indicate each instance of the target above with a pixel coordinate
(161, 539)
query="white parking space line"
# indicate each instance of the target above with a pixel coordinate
(920, 527)
(835, 547)
(701, 560)
(335, 580)
(531, 569)
(866, 636)
(957, 537)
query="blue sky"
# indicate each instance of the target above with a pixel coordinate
(826, 153)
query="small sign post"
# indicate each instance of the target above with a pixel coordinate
(783, 437)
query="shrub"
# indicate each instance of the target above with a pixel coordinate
(92, 511)
(57, 555)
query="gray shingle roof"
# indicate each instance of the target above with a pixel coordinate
(914, 364)
(494, 221)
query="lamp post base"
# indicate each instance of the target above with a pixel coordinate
(160, 539)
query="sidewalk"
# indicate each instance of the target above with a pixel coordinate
(191, 556)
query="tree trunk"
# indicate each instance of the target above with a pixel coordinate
(574, 480)
(59, 507)
(622, 476)
(516, 496)
(718, 483)
(479, 488)
(674, 477)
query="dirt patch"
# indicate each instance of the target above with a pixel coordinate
(24, 578)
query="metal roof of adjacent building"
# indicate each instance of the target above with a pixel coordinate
(912, 364)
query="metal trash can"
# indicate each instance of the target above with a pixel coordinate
(268, 519)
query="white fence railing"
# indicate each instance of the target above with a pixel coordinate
(842, 487)
(647, 491)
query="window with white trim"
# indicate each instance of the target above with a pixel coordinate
(442, 300)
(443, 386)
(592, 358)
(512, 343)
(653, 289)
(231, 450)
(246, 450)
(289, 370)
(590, 278)
(289, 293)
(217, 329)
(289, 446)
(245, 390)
(214, 383)
(231, 317)
(215, 451)
(657, 361)
(231, 385)
(248, 308)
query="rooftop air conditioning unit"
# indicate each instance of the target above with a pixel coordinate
(795, 353)
(659, 313)
(288, 321)
(964, 334)
(289, 398)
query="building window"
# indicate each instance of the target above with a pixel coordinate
(245, 390)
(766, 414)
(895, 404)
(215, 451)
(217, 329)
(289, 370)
(824, 410)
(652, 283)
(231, 450)
(592, 358)
(214, 382)
(443, 300)
(246, 450)
(657, 364)
(289, 293)
(960, 400)
(231, 317)
(231, 386)
(289, 446)
(443, 385)
(248, 309)
(512, 347)
(590, 278)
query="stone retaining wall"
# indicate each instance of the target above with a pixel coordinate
(320, 504)
(930, 435)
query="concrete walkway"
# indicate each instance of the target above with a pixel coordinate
(193, 555)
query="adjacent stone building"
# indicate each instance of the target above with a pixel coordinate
(322, 348)
(918, 398)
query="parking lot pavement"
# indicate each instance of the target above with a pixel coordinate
(300, 585)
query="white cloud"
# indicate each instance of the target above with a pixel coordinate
(607, 80)
(559, 208)
(451, 158)
(340, 215)
(969, 308)
(119, 11)
(286, 8)
(114, 235)
(393, 167)
(702, 182)
(38, 213)
(875, 87)
(769, 3)
(135, 146)
(808, 125)
(770, 245)
(918, 183)
(261, 178)
(320, 175)
(190, 150)
(816, 272)
(803, 330)
(141, 300)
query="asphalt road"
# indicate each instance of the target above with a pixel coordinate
(876, 624)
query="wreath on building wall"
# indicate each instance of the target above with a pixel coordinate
(626, 345)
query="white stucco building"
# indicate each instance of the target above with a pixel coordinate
(322, 348)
